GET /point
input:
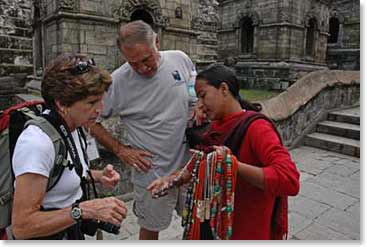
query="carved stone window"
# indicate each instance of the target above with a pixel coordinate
(247, 35)
(178, 13)
(310, 36)
(333, 30)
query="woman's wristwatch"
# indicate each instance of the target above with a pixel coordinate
(76, 212)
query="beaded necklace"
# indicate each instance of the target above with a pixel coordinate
(210, 196)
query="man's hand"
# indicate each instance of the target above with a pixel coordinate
(110, 177)
(135, 157)
(128, 155)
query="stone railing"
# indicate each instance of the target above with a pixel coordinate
(297, 110)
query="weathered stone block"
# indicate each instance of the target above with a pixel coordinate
(308, 208)
(339, 220)
(70, 36)
(320, 194)
(299, 223)
(317, 231)
(284, 85)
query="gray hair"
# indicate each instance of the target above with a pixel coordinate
(136, 32)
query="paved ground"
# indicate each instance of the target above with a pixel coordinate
(327, 207)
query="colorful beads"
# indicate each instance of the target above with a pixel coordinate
(219, 170)
(229, 231)
(214, 177)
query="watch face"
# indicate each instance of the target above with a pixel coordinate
(76, 213)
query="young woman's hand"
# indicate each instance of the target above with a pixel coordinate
(198, 115)
(161, 186)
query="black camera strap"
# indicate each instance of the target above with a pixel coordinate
(59, 123)
(82, 136)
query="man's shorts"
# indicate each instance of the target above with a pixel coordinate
(156, 214)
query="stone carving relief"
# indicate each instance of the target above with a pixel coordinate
(230, 61)
(206, 14)
(284, 12)
(284, 15)
(311, 15)
(66, 4)
(336, 14)
(248, 4)
(41, 5)
(324, 20)
(255, 17)
(126, 7)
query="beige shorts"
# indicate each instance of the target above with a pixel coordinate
(156, 214)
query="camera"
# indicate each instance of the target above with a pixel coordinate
(108, 227)
(89, 227)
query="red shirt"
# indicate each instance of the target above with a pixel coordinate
(261, 147)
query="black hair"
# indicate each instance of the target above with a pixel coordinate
(215, 74)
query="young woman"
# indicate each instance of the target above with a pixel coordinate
(72, 88)
(265, 169)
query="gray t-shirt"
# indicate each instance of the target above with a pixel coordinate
(154, 111)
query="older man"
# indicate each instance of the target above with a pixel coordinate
(150, 94)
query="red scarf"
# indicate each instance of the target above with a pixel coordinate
(3, 235)
(279, 229)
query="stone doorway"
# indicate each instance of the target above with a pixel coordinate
(142, 14)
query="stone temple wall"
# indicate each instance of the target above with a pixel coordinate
(15, 36)
(78, 26)
(279, 40)
(345, 53)
(15, 48)
(91, 26)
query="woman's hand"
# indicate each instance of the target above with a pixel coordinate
(222, 150)
(110, 177)
(198, 115)
(109, 209)
(252, 174)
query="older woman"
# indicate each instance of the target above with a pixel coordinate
(72, 88)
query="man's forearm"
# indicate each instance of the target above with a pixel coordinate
(105, 138)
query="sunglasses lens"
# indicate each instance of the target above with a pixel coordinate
(83, 67)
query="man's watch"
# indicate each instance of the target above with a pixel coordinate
(76, 212)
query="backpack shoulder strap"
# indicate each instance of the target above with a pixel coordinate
(235, 138)
(5, 115)
(60, 149)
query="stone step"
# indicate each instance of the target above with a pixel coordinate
(351, 115)
(16, 56)
(21, 97)
(346, 130)
(333, 143)
(7, 69)
(19, 22)
(17, 31)
(15, 42)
